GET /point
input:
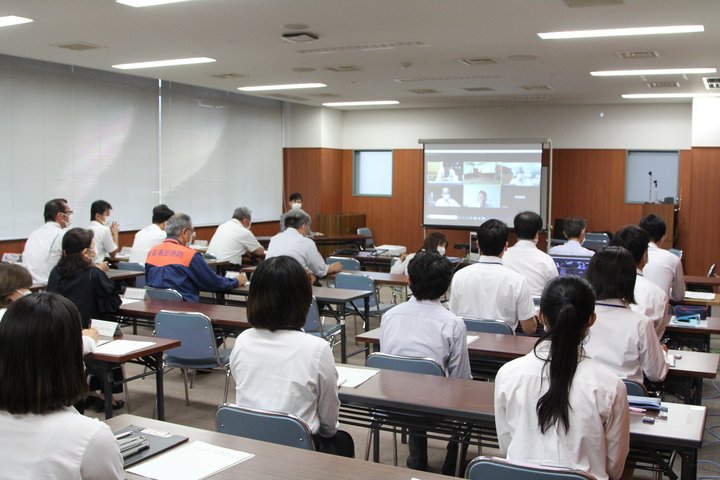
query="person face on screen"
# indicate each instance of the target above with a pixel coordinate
(482, 199)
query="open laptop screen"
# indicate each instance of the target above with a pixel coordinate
(569, 265)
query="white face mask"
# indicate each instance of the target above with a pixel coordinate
(108, 221)
(446, 196)
(441, 250)
(296, 206)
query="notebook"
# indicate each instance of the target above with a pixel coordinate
(158, 442)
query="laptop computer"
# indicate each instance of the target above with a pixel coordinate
(571, 265)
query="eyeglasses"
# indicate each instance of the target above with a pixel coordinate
(68, 212)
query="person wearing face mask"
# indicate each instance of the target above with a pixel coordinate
(15, 283)
(525, 258)
(172, 264)
(107, 232)
(43, 247)
(435, 242)
(295, 203)
(446, 200)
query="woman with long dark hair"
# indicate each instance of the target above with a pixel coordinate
(435, 242)
(557, 407)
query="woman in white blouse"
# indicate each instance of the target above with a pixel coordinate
(557, 407)
(277, 366)
(42, 376)
(436, 241)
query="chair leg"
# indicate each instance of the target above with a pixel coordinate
(395, 455)
(187, 396)
(227, 384)
(192, 378)
(125, 387)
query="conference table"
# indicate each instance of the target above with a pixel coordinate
(688, 371)
(271, 461)
(702, 280)
(696, 337)
(449, 404)
(113, 274)
(150, 356)
(333, 239)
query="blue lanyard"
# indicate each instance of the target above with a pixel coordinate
(610, 305)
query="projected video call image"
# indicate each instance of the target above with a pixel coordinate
(466, 186)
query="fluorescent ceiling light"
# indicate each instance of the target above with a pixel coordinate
(669, 95)
(13, 20)
(621, 32)
(147, 3)
(655, 71)
(289, 86)
(164, 63)
(361, 104)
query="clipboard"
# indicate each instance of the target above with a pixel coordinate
(159, 442)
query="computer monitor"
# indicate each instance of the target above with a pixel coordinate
(571, 265)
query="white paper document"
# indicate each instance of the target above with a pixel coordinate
(194, 461)
(134, 293)
(472, 338)
(104, 328)
(121, 347)
(352, 377)
(699, 295)
(125, 301)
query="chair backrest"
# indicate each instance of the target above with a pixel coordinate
(369, 242)
(263, 425)
(163, 294)
(634, 388)
(596, 240)
(354, 281)
(195, 332)
(423, 365)
(135, 267)
(209, 256)
(482, 468)
(346, 262)
(675, 251)
(488, 326)
(312, 321)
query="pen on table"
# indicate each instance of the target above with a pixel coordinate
(122, 435)
(664, 340)
(135, 450)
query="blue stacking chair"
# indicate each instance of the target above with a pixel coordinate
(264, 425)
(347, 263)
(135, 267)
(163, 294)
(197, 350)
(483, 468)
(314, 326)
(488, 326)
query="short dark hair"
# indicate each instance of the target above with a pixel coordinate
(13, 277)
(655, 226)
(161, 213)
(241, 213)
(527, 225)
(634, 239)
(296, 218)
(41, 363)
(53, 207)
(492, 237)
(612, 274)
(433, 240)
(430, 275)
(573, 227)
(74, 242)
(295, 196)
(99, 207)
(280, 294)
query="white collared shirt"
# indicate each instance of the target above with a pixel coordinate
(104, 243)
(490, 290)
(665, 270)
(626, 342)
(42, 252)
(598, 439)
(231, 241)
(573, 248)
(536, 266)
(59, 444)
(144, 240)
(291, 243)
(287, 371)
(652, 302)
(424, 328)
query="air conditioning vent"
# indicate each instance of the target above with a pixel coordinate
(663, 84)
(443, 79)
(299, 37)
(424, 91)
(228, 76)
(517, 99)
(593, 3)
(711, 83)
(537, 88)
(292, 98)
(638, 54)
(478, 89)
(325, 95)
(478, 61)
(79, 46)
(344, 68)
(362, 48)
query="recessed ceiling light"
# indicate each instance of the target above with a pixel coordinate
(147, 3)
(291, 86)
(621, 32)
(669, 95)
(13, 20)
(361, 104)
(164, 63)
(653, 71)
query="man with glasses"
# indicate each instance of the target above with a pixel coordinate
(172, 264)
(43, 246)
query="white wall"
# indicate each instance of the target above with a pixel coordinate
(706, 122)
(654, 127)
(312, 127)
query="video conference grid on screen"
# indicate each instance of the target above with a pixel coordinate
(468, 184)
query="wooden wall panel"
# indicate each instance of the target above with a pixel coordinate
(701, 232)
(685, 201)
(301, 173)
(591, 184)
(331, 165)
